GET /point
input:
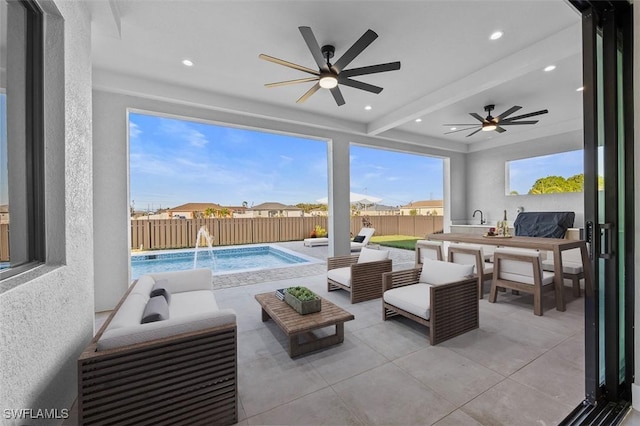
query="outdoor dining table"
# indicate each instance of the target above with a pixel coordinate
(555, 245)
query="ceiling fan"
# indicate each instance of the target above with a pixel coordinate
(329, 76)
(495, 123)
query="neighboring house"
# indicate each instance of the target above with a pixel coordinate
(423, 208)
(196, 210)
(319, 212)
(380, 210)
(270, 209)
(150, 216)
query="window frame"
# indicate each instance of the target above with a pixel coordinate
(34, 142)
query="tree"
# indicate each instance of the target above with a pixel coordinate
(549, 185)
(413, 212)
(224, 212)
(209, 212)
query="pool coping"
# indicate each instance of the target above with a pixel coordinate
(309, 260)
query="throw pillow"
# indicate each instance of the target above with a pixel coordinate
(437, 272)
(160, 289)
(371, 255)
(358, 238)
(157, 309)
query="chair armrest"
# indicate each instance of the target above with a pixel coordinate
(341, 261)
(400, 278)
(454, 309)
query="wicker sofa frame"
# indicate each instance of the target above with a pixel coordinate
(454, 306)
(366, 278)
(190, 378)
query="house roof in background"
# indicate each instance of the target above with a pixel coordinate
(196, 207)
(274, 206)
(424, 203)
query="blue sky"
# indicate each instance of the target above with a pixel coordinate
(173, 162)
(524, 173)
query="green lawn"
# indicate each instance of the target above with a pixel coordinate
(397, 241)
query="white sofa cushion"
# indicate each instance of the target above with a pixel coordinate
(414, 298)
(189, 280)
(192, 302)
(130, 312)
(547, 278)
(437, 272)
(371, 255)
(124, 336)
(143, 286)
(340, 275)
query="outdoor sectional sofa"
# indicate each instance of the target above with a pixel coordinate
(176, 370)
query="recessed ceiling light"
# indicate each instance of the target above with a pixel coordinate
(550, 68)
(187, 63)
(368, 107)
(580, 89)
(496, 35)
(418, 120)
(453, 128)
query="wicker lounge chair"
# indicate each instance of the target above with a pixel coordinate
(359, 274)
(367, 233)
(448, 304)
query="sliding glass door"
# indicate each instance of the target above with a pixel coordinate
(609, 215)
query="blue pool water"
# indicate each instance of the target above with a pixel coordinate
(219, 260)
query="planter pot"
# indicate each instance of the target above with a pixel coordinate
(303, 308)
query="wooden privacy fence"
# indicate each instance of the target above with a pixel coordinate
(181, 233)
(4, 242)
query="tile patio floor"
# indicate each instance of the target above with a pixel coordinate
(516, 369)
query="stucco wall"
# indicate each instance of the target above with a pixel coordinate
(46, 315)
(486, 180)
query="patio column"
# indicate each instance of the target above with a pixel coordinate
(339, 188)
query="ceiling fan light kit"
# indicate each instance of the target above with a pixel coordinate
(330, 76)
(496, 123)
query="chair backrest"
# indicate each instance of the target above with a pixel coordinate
(371, 255)
(467, 254)
(436, 272)
(426, 249)
(368, 233)
(518, 262)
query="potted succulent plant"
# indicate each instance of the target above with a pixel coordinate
(303, 300)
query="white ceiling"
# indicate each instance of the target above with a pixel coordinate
(449, 65)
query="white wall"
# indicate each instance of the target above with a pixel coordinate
(46, 315)
(486, 181)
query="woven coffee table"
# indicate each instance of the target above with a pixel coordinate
(299, 328)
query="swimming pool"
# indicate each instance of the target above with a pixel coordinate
(219, 260)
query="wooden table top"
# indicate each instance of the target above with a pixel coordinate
(292, 322)
(515, 241)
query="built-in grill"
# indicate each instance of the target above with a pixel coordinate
(543, 224)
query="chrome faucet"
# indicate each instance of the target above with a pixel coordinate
(482, 222)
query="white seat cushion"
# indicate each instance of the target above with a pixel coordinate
(487, 267)
(192, 302)
(567, 267)
(371, 255)
(340, 275)
(414, 299)
(547, 277)
(437, 272)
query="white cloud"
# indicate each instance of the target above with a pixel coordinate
(134, 130)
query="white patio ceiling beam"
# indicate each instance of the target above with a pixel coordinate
(561, 45)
